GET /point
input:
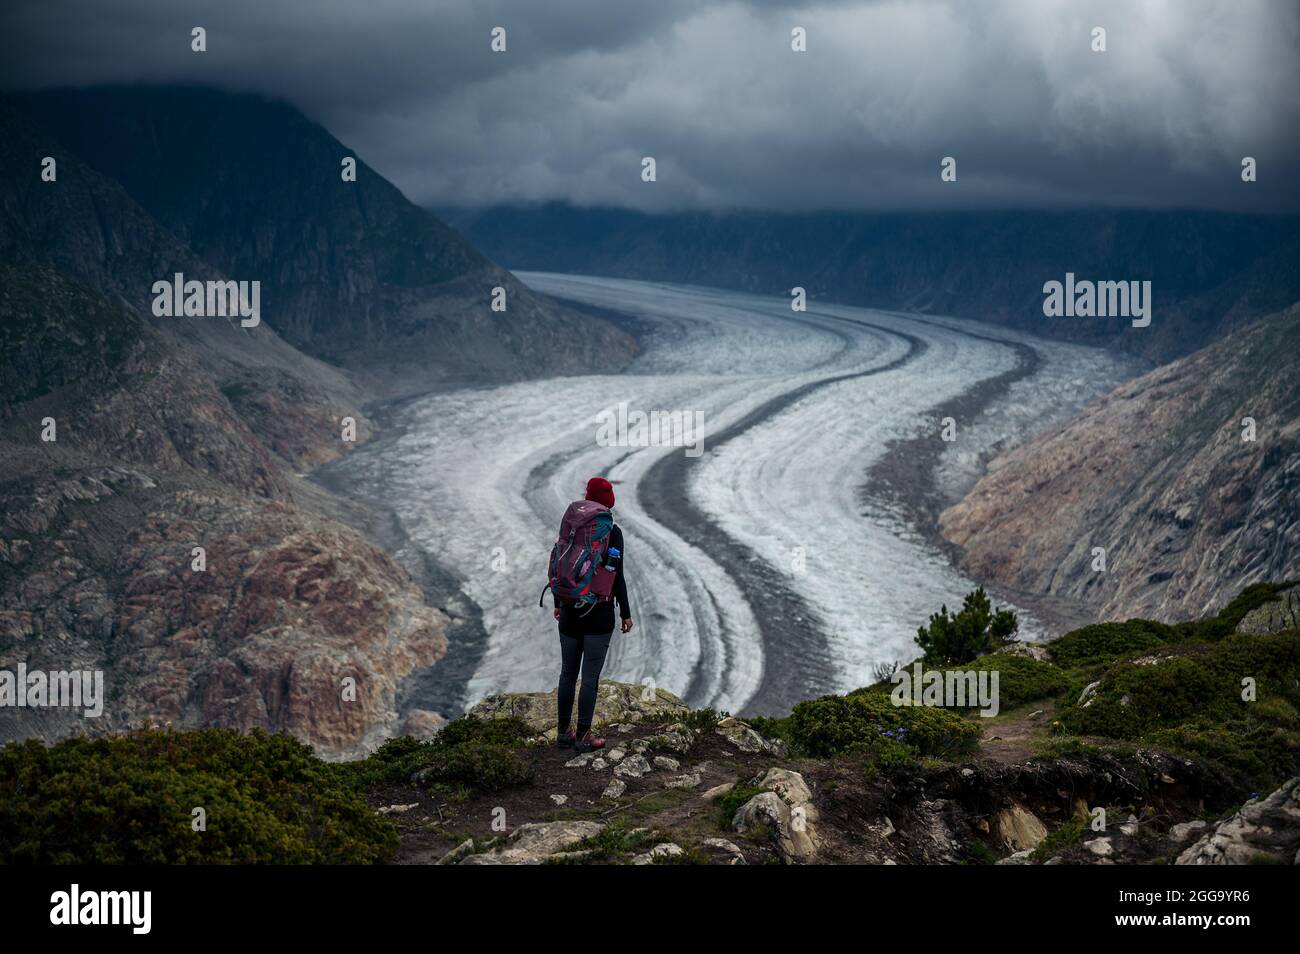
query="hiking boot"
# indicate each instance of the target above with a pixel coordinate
(588, 743)
(566, 738)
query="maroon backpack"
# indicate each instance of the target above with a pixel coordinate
(577, 572)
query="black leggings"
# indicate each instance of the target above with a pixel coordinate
(588, 654)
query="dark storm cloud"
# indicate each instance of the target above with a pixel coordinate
(1011, 88)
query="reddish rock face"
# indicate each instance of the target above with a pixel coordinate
(1157, 473)
(295, 624)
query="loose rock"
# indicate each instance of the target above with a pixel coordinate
(634, 766)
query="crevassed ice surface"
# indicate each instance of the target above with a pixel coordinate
(479, 469)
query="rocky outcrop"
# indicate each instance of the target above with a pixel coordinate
(615, 702)
(1159, 475)
(1274, 616)
(785, 811)
(295, 623)
(1266, 829)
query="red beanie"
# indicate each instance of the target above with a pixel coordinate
(600, 490)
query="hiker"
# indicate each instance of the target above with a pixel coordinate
(585, 577)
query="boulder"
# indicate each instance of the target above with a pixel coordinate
(766, 809)
(676, 739)
(634, 766)
(1101, 847)
(713, 794)
(1267, 828)
(463, 850)
(1019, 828)
(741, 735)
(663, 850)
(792, 788)
(616, 702)
(664, 762)
(614, 789)
(535, 842)
(730, 847)
(691, 780)
(1180, 833)
(1085, 697)
(1032, 650)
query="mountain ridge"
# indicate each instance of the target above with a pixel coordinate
(352, 273)
(1212, 272)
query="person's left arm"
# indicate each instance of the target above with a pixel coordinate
(620, 584)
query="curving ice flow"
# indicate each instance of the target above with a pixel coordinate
(479, 479)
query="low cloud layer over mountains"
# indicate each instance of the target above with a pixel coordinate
(733, 116)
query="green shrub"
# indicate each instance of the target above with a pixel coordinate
(832, 725)
(967, 634)
(730, 803)
(476, 754)
(771, 728)
(1104, 642)
(128, 800)
(886, 756)
(1070, 833)
(1021, 679)
(478, 766)
(1192, 702)
(503, 731)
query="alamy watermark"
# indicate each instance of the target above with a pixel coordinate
(76, 689)
(178, 298)
(947, 688)
(1089, 299)
(130, 908)
(621, 427)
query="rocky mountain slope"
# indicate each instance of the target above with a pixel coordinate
(149, 460)
(1101, 755)
(86, 225)
(1159, 474)
(352, 273)
(1210, 273)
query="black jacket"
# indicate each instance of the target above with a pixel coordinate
(599, 620)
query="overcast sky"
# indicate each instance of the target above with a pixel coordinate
(733, 116)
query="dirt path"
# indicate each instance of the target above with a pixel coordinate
(1013, 737)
